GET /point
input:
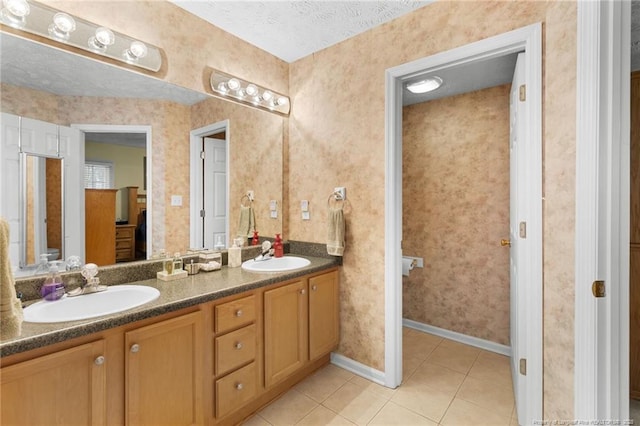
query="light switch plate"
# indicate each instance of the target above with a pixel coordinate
(176, 200)
(274, 214)
(306, 216)
(304, 205)
(273, 205)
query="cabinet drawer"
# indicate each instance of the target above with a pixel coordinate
(235, 349)
(123, 254)
(234, 314)
(124, 244)
(125, 233)
(235, 390)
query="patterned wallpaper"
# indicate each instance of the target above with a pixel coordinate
(455, 211)
(336, 138)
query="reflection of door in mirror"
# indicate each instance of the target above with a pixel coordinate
(43, 219)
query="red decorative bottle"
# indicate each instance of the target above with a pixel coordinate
(255, 240)
(278, 249)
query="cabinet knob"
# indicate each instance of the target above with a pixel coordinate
(303, 291)
(238, 345)
(239, 386)
(135, 348)
(314, 287)
(99, 360)
(239, 313)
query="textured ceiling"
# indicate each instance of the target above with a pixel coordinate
(292, 30)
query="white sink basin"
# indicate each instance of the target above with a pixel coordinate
(115, 299)
(276, 264)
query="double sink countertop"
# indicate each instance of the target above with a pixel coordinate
(174, 295)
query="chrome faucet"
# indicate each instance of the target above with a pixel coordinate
(266, 252)
(92, 284)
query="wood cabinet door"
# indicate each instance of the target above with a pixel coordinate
(163, 372)
(285, 331)
(324, 317)
(63, 388)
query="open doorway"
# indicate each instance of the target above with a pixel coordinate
(210, 186)
(528, 380)
(118, 182)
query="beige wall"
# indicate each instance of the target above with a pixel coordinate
(128, 169)
(336, 137)
(455, 172)
(337, 125)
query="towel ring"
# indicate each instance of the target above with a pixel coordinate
(336, 196)
(249, 201)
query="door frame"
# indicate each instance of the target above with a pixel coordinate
(123, 128)
(529, 40)
(601, 377)
(195, 175)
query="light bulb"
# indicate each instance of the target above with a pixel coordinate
(282, 100)
(234, 84)
(63, 25)
(267, 95)
(426, 85)
(105, 36)
(14, 12)
(136, 50)
(252, 90)
(222, 87)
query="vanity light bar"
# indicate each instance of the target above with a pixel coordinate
(45, 21)
(228, 86)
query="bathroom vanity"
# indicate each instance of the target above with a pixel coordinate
(212, 349)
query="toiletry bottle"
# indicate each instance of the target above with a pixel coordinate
(219, 244)
(234, 254)
(255, 241)
(53, 288)
(177, 263)
(167, 265)
(278, 249)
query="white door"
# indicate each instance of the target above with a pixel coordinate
(214, 191)
(518, 302)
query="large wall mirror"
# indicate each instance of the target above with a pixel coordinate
(52, 85)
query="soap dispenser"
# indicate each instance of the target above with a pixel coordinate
(177, 263)
(255, 240)
(278, 249)
(234, 254)
(53, 288)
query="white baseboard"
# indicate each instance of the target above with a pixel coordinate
(459, 337)
(355, 367)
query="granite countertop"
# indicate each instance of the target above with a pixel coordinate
(174, 295)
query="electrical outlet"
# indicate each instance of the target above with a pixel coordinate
(176, 200)
(274, 214)
(306, 216)
(304, 205)
(273, 205)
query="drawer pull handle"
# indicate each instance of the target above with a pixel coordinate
(314, 287)
(302, 291)
(99, 360)
(135, 348)
(239, 386)
(238, 345)
(239, 313)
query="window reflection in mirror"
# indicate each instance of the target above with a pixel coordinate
(42, 210)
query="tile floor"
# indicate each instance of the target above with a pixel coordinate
(634, 411)
(445, 383)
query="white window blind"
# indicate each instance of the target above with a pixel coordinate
(98, 175)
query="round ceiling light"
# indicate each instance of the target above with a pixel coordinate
(423, 86)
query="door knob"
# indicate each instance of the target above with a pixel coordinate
(505, 243)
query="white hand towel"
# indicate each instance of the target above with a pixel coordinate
(10, 305)
(335, 234)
